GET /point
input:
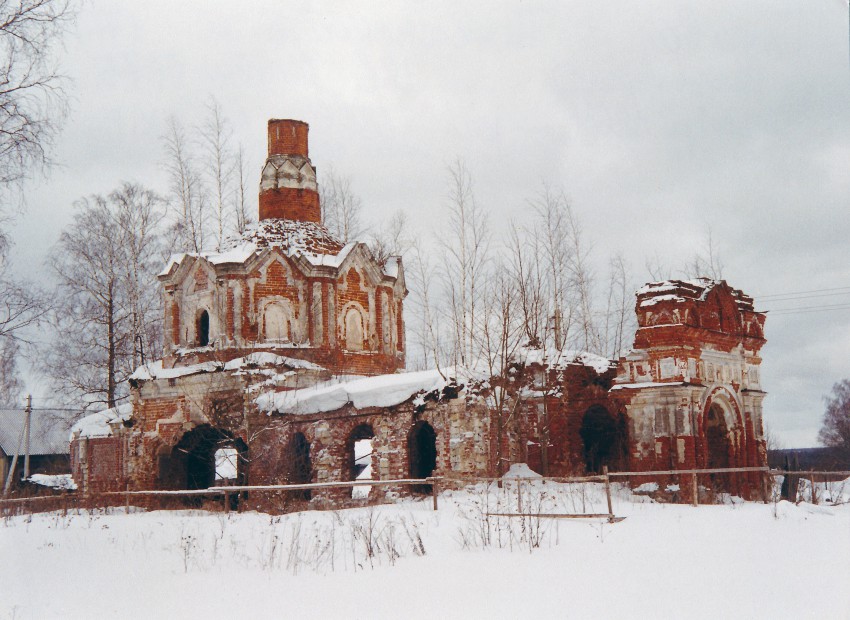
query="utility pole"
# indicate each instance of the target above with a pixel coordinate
(14, 464)
(27, 437)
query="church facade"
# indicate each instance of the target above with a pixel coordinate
(282, 357)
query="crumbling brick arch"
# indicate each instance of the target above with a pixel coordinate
(720, 438)
(202, 327)
(361, 432)
(299, 464)
(422, 453)
(358, 449)
(604, 439)
(191, 463)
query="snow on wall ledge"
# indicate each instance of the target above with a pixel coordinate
(558, 360)
(98, 424)
(380, 391)
(155, 370)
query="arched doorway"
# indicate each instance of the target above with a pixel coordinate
(359, 449)
(300, 467)
(603, 440)
(204, 457)
(422, 453)
(203, 328)
(718, 445)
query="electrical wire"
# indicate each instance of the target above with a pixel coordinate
(819, 290)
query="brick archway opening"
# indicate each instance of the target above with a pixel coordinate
(359, 450)
(603, 440)
(300, 466)
(204, 457)
(422, 453)
(718, 446)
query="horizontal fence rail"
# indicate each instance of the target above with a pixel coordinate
(76, 498)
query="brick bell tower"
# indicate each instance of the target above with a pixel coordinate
(288, 188)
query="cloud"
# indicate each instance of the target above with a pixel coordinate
(660, 120)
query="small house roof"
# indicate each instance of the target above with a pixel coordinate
(48, 431)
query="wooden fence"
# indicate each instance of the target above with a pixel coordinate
(72, 500)
(66, 501)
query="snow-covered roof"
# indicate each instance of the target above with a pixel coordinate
(700, 285)
(379, 391)
(155, 370)
(48, 431)
(559, 360)
(294, 238)
(97, 424)
(687, 290)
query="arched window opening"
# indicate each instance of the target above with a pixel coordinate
(276, 324)
(422, 453)
(359, 448)
(205, 456)
(203, 329)
(603, 440)
(353, 330)
(300, 467)
(718, 446)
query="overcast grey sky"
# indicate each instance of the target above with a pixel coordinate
(659, 119)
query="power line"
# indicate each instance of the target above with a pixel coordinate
(808, 309)
(791, 297)
(819, 290)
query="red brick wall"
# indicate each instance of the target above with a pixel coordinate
(290, 203)
(288, 137)
(278, 284)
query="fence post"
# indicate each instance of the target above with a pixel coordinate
(127, 499)
(519, 495)
(608, 493)
(435, 489)
(814, 491)
(226, 501)
(694, 489)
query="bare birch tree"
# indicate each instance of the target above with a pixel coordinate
(23, 307)
(187, 190)
(390, 239)
(425, 319)
(32, 90)
(582, 279)
(241, 211)
(465, 247)
(705, 264)
(525, 268)
(33, 106)
(501, 331)
(139, 213)
(219, 165)
(106, 311)
(11, 386)
(618, 318)
(341, 207)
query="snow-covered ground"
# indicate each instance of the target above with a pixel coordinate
(740, 560)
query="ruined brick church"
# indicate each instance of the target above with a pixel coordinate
(282, 363)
